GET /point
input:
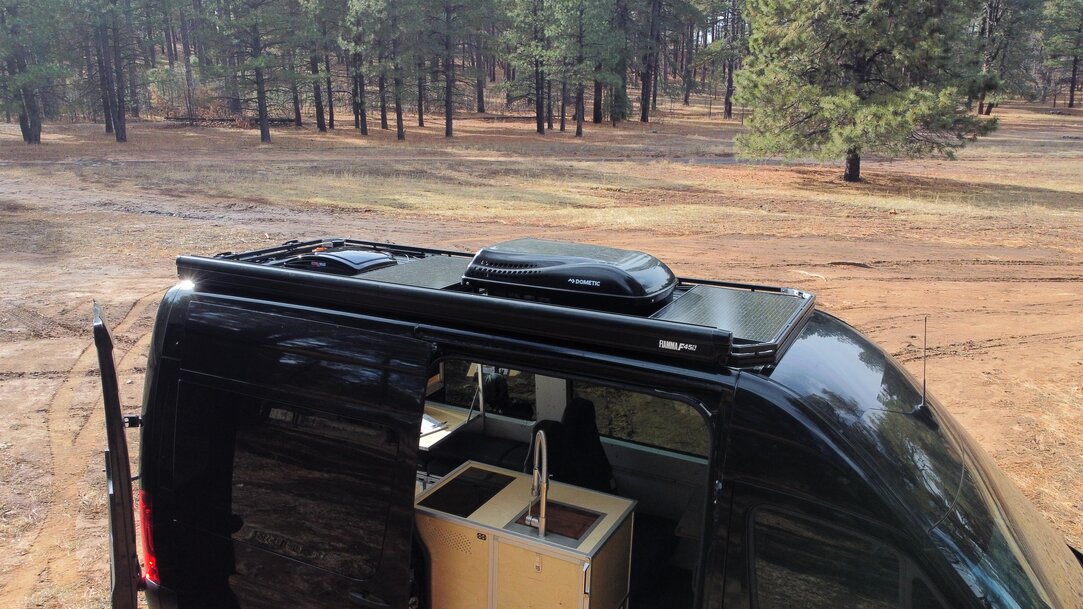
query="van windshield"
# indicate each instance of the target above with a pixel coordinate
(926, 465)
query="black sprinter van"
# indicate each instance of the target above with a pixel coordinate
(341, 423)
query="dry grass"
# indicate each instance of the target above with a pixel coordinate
(676, 176)
(1052, 435)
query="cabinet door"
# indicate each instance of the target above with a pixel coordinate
(527, 579)
(458, 558)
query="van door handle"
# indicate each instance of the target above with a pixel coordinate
(364, 599)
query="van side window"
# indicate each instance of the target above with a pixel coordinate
(303, 484)
(646, 419)
(798, 563)
(508, 392)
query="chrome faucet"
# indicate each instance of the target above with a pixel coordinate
(539, 489)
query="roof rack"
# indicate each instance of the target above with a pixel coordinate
(707, 324)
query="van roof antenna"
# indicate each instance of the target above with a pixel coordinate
(924, 357)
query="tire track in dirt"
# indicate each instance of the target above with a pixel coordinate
(975, 347)
(913, 320)
(35, 324)
(49, 563)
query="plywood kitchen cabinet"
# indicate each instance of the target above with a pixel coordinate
(482, 555)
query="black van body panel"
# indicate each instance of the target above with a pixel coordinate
(257, 397)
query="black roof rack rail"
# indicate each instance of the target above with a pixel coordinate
(294, 247)
(668, 336)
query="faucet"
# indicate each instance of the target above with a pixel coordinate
(539, 489)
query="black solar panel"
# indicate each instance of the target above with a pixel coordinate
(752, 316)
(437, 272)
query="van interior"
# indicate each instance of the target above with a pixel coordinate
(634, 445)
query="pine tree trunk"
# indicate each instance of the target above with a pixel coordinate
(351, 77)
(120, 127)
(317, 94)
(687, 73)
(400, 128)
(580, 110)
(30, 116)
(654, 87)
(170, 44)
(330, 93)
(549, 103)
(261, 89)
(563, 103)
(539, 97)
(420, 92)
(727, 111)
(853, 167)
(597, 117)
(233, 93)
(1073, 81)
(449, 79)
(296, 94)
(104, 79)
(648, 76)
(479, 83)
(382, 88)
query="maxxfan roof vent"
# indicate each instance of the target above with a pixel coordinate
(574, 274)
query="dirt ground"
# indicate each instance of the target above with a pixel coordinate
(988, 247)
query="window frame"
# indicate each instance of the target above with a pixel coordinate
(511, 363)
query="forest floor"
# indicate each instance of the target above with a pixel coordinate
(987, 246)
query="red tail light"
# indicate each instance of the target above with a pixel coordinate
(145, 522)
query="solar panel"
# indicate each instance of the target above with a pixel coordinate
(751, 316)
(437, 272)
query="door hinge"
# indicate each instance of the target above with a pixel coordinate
(133, 420)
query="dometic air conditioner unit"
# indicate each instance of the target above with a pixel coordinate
(573, 274)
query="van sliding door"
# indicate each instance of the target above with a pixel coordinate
(294, 460)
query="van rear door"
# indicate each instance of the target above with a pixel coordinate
(294, 459)
(124, 562)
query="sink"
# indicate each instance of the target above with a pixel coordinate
(566, 525)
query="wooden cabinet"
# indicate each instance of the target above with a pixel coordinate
(480, 557)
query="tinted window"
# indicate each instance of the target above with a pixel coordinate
(1001, 546)
(508, 392)
(646, 419)
(299, 483)
(799, 563)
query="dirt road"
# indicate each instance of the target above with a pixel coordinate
(1005, 321)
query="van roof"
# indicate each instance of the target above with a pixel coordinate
(701, 323)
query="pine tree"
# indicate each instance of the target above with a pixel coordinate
(1063, 26)
(581, 48)
(1008, 52)
(843, 78)
(28, 34)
